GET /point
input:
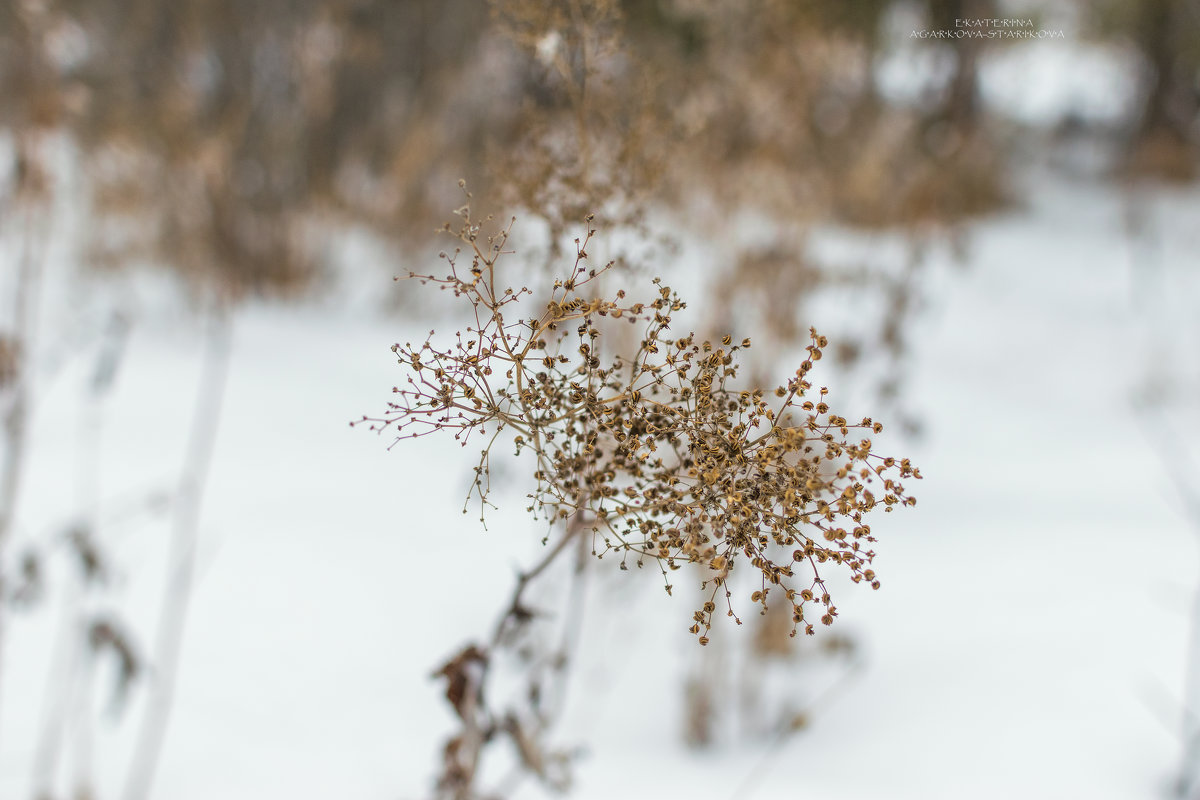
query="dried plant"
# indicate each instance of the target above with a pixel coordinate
(665, 459)
(231, 143)
(651, 457)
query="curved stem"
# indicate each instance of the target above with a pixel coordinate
(182, 553)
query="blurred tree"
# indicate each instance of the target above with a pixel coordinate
(1162, 134)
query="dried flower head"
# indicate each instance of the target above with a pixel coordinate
(656, 453)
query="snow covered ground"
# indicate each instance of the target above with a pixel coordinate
(1029, 640)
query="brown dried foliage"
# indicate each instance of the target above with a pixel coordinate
(651, 455)
(658, 453)
(234, 142)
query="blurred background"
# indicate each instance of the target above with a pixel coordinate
(210, 585)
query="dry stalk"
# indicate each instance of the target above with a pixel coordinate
(653, 457)
(181, 564)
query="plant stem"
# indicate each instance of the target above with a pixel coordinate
(182, 552)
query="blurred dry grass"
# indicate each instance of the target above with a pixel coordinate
(230, 140)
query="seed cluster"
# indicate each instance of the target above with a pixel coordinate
(658, 452)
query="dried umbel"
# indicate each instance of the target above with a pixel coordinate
(656, 454)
